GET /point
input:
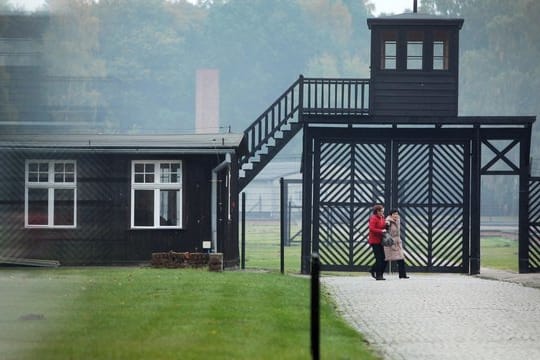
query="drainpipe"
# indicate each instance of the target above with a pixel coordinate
(213, 206)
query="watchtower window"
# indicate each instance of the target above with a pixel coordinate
(440, 50)
(389, 50)
(415, 44)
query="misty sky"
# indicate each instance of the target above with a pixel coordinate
(386, 6)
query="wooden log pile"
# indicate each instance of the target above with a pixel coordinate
(174, 260)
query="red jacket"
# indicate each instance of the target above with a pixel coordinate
(377, 224)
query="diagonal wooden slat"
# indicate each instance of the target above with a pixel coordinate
(413, 173)
(534, 201)
(534, 225)
(448, 173)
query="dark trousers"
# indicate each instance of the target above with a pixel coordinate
(401, 268)
(380, 264)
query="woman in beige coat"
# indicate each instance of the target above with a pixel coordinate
(395, 252)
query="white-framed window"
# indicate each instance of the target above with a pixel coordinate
(156, 194)
(389, 50)
(50, 194)
(415, 46)
(440, 51)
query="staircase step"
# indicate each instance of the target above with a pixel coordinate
(263, 151)
(247, 166)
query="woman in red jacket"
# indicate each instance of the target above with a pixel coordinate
(377, 226)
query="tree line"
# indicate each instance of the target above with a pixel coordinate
(137, 59)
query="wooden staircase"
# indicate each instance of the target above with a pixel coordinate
(328, 100)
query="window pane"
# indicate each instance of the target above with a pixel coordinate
(144, 208)
(169, 212)
(38, 172)
(64, 206)
(414, 64)
(389, 59)
(165, 170)
(440, 50)
(415, 45)
(170, 173)
(69, 172)
(414, 55)
(38, 207)
(438, 64)
(388, 50)
(149, 178)
(64, 172)
(175, 173)
(390, 64)
(144, 173)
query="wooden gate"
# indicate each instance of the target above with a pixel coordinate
(427, 180)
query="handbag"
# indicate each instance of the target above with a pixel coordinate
(387, 239)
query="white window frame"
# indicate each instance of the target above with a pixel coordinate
(442, 43)
(415, 51)
(157, 186)
(389, 49)
(50, 185)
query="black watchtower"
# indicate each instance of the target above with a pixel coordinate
(414, 65)
(396, 139)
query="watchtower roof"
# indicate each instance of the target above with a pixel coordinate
(417, 19)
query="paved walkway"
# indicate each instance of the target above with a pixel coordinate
(444, 316)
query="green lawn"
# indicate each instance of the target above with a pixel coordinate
(146, 313)
(263, 248)
(499, 253)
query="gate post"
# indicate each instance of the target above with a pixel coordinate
(474, 257)
(307, 180)
(524, 174)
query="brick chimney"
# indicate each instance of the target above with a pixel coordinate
(207, 101)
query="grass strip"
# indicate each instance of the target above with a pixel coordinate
(145, 313)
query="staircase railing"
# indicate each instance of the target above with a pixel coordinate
(278, 124)
(335, 97)
(270, 122)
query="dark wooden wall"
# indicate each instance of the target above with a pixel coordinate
(425, 92)
(103, 234)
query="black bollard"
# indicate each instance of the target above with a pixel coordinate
(315, 304)
(243, 234)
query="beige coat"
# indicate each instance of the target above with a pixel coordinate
(394, 252)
